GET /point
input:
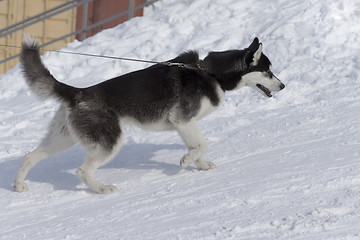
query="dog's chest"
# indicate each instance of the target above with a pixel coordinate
(206, 107)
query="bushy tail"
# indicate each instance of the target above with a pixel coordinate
(38, 77)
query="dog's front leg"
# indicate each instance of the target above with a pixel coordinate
(195, 142)
(204, 165)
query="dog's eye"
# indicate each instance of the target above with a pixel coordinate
(270, 74)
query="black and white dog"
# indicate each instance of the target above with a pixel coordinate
(161, 97)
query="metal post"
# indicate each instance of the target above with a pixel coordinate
(84, 21)
(131, 9)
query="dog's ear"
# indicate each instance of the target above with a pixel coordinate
(253, 54)
(257, 56)
(254, 45)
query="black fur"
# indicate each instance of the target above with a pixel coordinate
(149, 94)
(38, 77)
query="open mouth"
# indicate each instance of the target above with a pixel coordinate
(264, 89)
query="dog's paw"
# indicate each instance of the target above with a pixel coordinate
(204, 165)
(20, 186)
(185, 161)
(107, 189)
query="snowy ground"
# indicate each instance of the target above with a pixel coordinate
(287, 167)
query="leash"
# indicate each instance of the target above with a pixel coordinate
(183, 65)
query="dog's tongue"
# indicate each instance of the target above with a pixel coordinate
(268, 93)
(264, 89)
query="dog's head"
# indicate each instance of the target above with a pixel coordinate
(250, 67)
(259, 73)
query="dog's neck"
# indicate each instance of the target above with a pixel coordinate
(228, 80)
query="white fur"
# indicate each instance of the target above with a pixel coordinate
(196, 144)
(253, 78)
(206, 106)
(28, 40)
(56, 140)
(96, 158)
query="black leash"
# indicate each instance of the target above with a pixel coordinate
(113, 57)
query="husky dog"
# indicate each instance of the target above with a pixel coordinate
(171, 96)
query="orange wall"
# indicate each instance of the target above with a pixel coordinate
(13, 11)
(101, 9)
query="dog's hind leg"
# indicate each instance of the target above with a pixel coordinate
(196, 144)
(97, 157)
(56, 140)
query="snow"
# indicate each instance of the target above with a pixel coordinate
(287, 167)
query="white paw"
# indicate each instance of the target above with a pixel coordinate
(20, 186)
(204, 165)
(185, 161)
(108, 189)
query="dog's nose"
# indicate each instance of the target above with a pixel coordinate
(282, 86)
